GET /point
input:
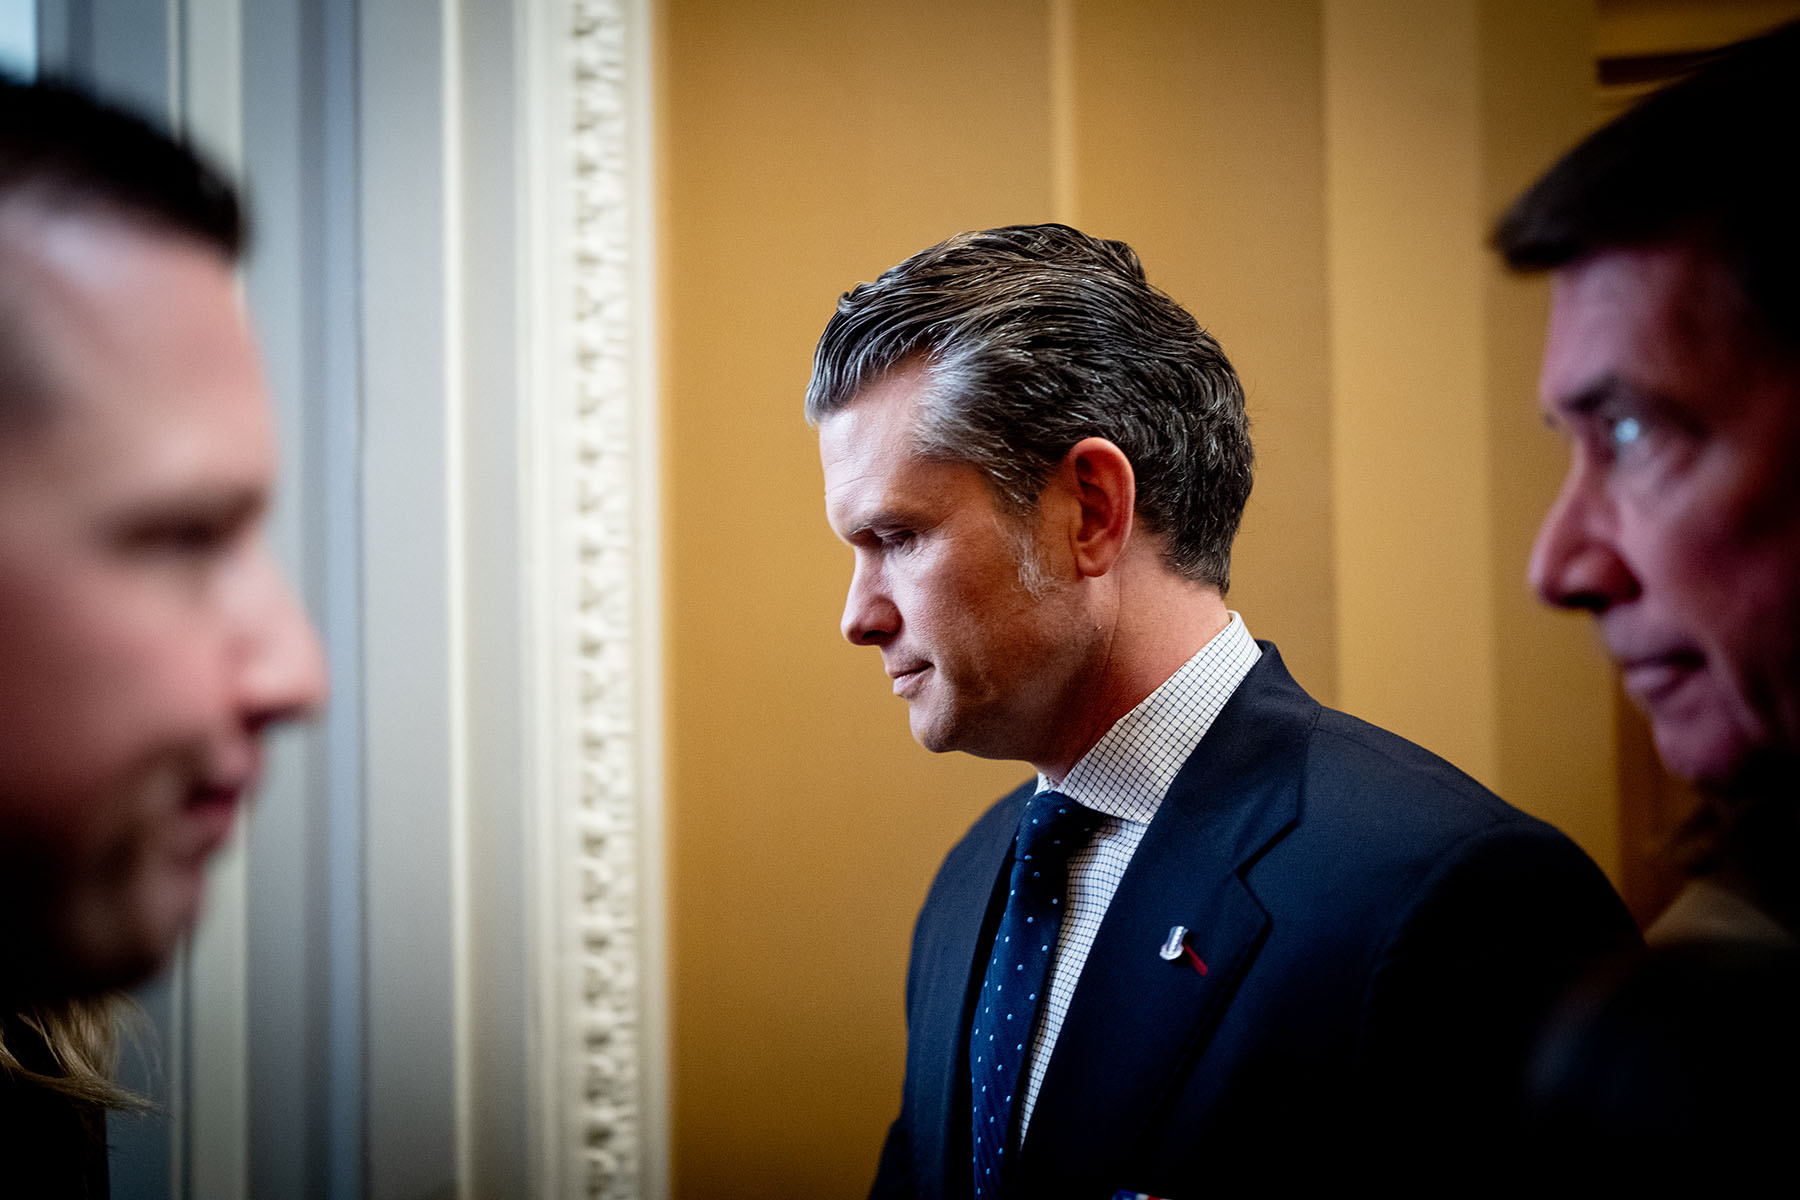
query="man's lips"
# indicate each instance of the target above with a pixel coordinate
(1652, 677)
(233, 773)
(217, 795)
(907, 678)
(210, 818)
(214, 800)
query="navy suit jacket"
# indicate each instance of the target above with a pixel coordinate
(1381, 936)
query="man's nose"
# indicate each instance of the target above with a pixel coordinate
(1575, 562)
(283, 675)
(870, 618)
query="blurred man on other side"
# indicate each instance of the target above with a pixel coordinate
(1673, 369)
(147, 639)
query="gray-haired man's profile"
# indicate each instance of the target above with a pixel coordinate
(1223, 920)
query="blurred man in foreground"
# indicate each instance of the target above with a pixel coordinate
(1673, 368)
(147, 639)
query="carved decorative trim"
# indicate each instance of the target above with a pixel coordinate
(602, 1030)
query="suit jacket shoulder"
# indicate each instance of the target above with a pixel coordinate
(1378, 934)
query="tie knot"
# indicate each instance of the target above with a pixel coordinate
(1052, 829)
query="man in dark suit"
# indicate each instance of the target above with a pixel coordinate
(1223, 919)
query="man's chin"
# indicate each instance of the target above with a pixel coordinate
(120, 944)
(1715, 756)
(940, 740)
(936, 731)
(74, 972)
(933, 738)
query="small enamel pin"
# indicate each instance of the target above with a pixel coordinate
(1176, 946)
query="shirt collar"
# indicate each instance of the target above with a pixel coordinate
(1128, 771)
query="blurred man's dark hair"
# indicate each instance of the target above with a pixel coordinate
(63, 150)
(63, 153)
(1709, 158)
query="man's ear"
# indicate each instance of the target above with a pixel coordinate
(1105, 487)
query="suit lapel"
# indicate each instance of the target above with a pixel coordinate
(970, 908)
(1137, 1022)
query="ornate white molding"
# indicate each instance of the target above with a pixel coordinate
(597, 424)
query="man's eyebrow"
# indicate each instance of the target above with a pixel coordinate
(884, 518)
(226, 502)
(1590, 399)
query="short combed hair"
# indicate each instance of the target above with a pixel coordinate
(1033, 337)
(66, 152)
(1709, 158)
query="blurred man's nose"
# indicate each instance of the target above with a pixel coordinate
(1575, 562)
(283, 675)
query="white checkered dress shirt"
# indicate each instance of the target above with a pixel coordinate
(1125, 777)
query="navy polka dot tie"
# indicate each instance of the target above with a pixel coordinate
(1052, 829)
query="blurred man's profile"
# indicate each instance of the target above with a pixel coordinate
(1673, 369)
(147, 638)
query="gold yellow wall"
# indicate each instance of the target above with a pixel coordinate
(1436, 115)
(1313, 179)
